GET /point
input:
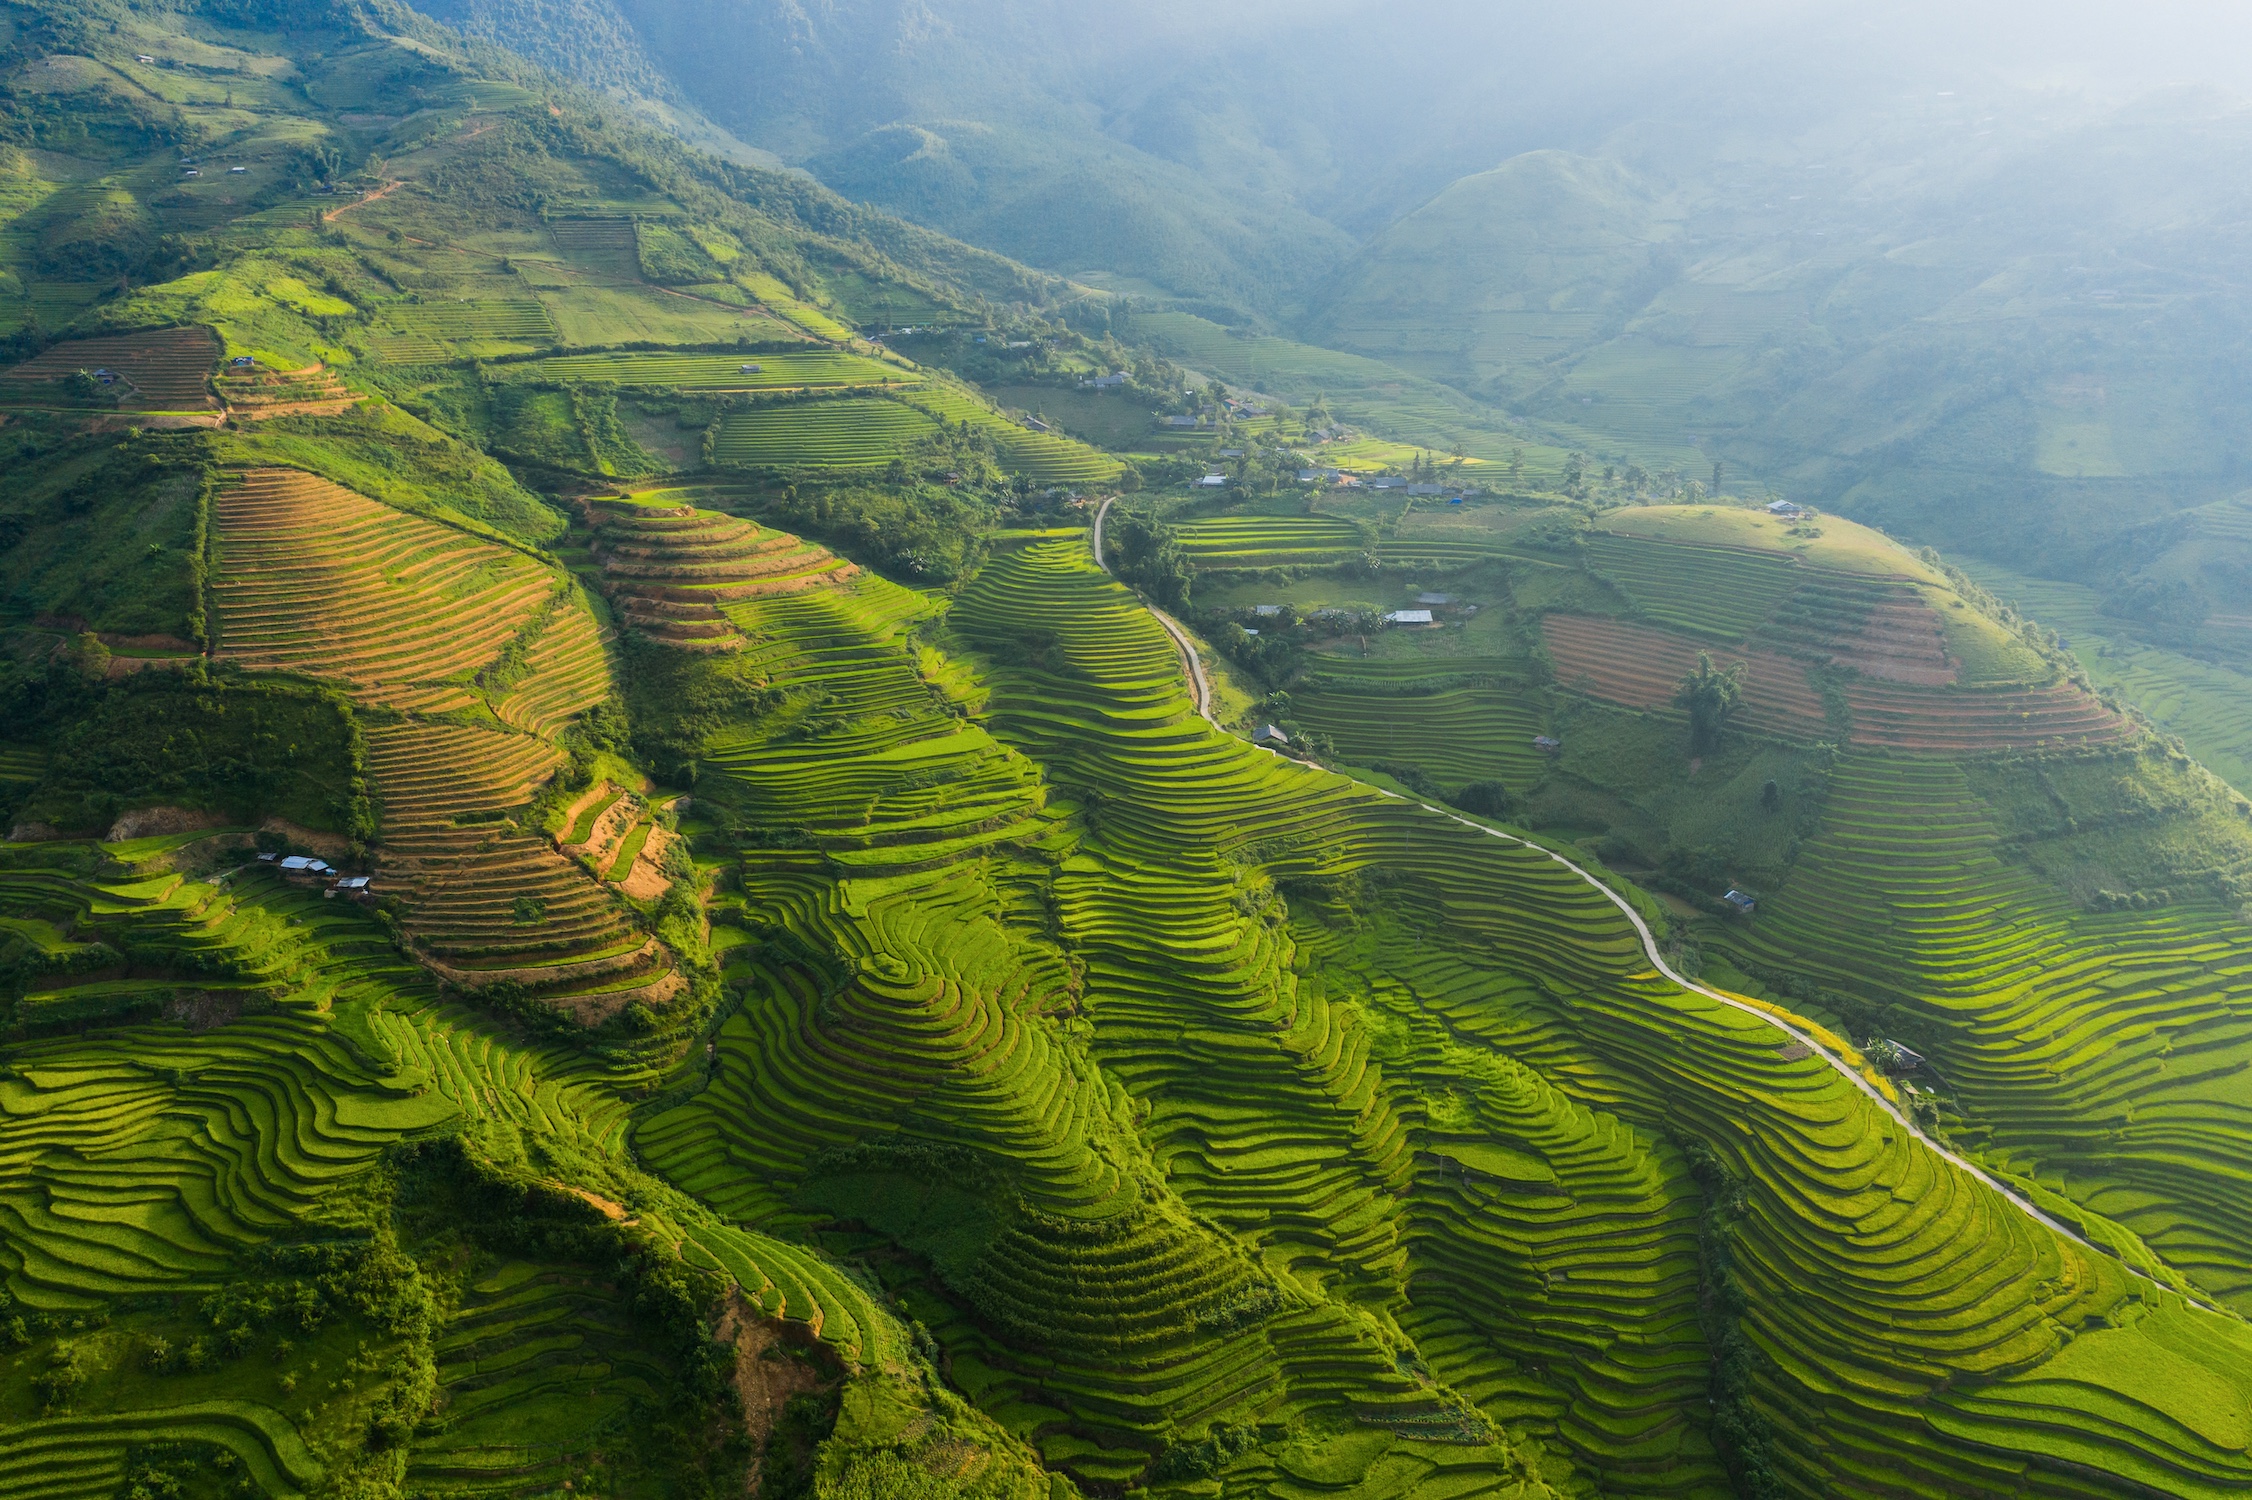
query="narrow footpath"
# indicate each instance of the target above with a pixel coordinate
(1657, 961)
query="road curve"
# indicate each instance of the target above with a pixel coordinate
(1181, 642)
(1657, 961)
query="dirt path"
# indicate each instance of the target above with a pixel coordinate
(1649, 940)
(384, 191)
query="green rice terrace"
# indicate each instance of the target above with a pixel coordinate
(603, 894)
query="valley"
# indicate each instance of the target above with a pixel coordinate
(668, 836)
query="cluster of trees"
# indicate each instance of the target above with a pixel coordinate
(245, 750)
(910, 529)
(1145, 553)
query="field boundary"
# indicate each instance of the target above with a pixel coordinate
(1657, 961)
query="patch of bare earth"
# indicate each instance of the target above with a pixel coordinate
(1900, 642)
(646, 881)
(771, 1365)
(150, 822)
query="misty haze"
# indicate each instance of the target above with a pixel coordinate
(1017, 750)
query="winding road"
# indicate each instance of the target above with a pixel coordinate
(1837, 1064)
(1181, 641)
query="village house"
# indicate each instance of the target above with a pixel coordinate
(1408, 617)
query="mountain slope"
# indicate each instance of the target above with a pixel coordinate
(830, 1016)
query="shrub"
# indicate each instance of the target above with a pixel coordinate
(1486, 799)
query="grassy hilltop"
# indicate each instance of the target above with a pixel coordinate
(832, 1014)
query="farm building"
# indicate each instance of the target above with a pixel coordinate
(1894, 1058)
(1787, 509)
(1104, 382)
(1742, 901)
(752, 370)
(1268, 734)
(1408, 617)
(1266, 610)
(1547, 744)
(1214, 481)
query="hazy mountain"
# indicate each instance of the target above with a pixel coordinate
(1940, 265)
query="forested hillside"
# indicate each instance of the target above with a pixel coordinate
(1981, 301)
(669, 837)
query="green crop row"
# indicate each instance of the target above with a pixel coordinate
(507, 320)
(821, 434)
(1983, 1287)
(710, 372)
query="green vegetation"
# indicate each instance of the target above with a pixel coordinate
(245, 752)
(828, 1003)
(864, 434)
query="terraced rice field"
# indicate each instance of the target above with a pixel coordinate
(538, 1368)
(1299, 1104)
(144, 1159)
(821, 435)
(1881, 628)
(713, 372)
(409, 349)
(1042, 456)
(1458, 720)
(144, 1162)
(461, 868)
(313, 579)
(1639, 667)
(1271, 541)
(22, 763)
(2103, 1047)
(604, 246)
(566, 672)
(2207, 704)
(1905, 718)
(313, 389)
(474, 320)
(169, 368)
(62, 1458)
(673, 569)
(1858, 1352)
(1721, 593)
